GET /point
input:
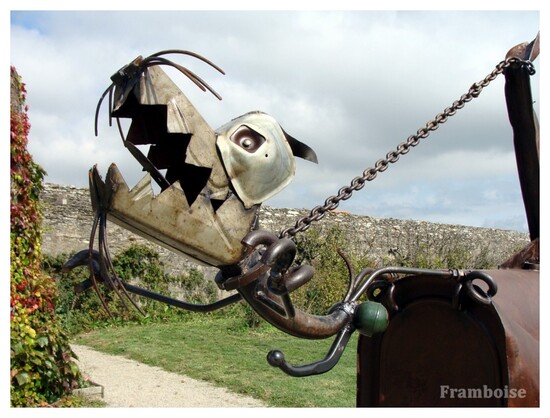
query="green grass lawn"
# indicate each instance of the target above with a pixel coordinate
(215, 350)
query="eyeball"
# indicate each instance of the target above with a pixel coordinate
(247, 139)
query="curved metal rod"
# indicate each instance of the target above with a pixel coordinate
(163, 61)
(181, 304)
(190, 53)
(93, 268)
(107, 268)
(199, 82)
(475, 292)
(82, 258)
(258, 237)
(302, 324)
(391, 270)
(296, 277)
(351, 274)
(140, 63)
(98, 106)
(277, 359)
(388, 287)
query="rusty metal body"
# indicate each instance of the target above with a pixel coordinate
(436, 352)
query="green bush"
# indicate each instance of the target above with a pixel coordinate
(441, 253)
(139, 262)
(42, 366)
(320, 249)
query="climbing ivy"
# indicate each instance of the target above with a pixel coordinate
(42, 364)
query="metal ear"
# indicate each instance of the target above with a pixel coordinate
(299, 149)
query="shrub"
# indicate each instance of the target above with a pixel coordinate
(42, 368)
(320, 249)
(441, 252)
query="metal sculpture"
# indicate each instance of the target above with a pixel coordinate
(208, 208)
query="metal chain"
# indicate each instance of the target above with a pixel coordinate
(318, 212)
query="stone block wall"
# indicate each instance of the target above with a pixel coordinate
(68, 220)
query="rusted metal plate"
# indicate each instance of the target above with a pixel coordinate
(434, 354)
(163, 116)
(526, 143)
(517, 304)
(258, 156)
(197, 231)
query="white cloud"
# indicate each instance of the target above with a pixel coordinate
(352, 85)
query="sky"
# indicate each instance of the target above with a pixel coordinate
(352, 84)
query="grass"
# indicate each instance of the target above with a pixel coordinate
(218, 351)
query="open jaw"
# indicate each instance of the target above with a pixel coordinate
(199, 230)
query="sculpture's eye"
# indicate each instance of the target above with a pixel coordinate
(247, 139)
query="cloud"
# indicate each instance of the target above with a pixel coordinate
(352, 85)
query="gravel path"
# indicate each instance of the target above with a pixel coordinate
(128, 383)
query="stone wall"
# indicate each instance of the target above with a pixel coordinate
(68, 220)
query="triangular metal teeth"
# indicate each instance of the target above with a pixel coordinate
(143, 189)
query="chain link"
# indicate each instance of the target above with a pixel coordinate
(318, 212)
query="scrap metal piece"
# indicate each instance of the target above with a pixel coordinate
(197, 231)
(480, 346)
(527, 50)
(181, 140)
(525, 125)
(93, 258)
(258, 156)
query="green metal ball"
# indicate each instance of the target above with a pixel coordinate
(370, 318)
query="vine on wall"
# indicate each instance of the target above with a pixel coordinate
(43, 368)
